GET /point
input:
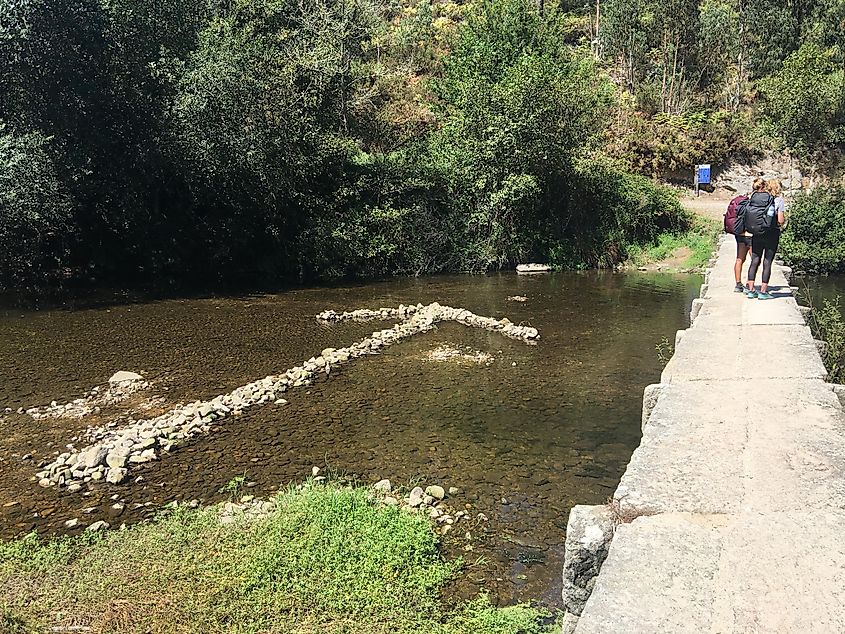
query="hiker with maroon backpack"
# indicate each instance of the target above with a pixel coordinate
(762, 216)
(743, 242)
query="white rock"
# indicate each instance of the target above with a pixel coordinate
(116, 475)
(123, 375)
(383, 486)
(416, 497)
(93, 457)
(116, 460)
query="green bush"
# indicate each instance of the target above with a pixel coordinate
(611, 210)
(828, 325)
(518, 107)
(387, 220)
(277, 140)
(814, 239)
(35, 210)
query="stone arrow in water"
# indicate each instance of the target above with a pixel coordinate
(114, 451)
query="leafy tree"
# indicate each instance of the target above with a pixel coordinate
(627, 30)
(266, 111)
(53, 66)
(516, 106)
(719, 48)
(802, 99)
(211, 140)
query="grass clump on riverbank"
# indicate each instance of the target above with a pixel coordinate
(690, 249)
(328, 559)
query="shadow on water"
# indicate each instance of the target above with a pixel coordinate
(539, 429)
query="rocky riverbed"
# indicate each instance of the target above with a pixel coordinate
(113, 452)
(522, 436)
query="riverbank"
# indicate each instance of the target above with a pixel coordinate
(827, 322)
(684, 251)
(324, 558)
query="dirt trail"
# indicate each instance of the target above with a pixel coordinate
(711, 206)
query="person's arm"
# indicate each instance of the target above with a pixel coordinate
(781, 209)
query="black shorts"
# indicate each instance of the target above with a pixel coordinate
(746, 240)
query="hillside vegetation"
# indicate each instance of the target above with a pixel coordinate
(249, 141)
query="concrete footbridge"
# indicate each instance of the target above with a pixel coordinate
(731, 514)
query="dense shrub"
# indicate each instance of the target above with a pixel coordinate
(391, 219)
(35, 211)
(274, 140)
(814, 239)
(623, 209)
(828, 325)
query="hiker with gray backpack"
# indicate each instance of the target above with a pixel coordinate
(761, 216)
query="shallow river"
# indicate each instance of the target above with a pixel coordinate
(523, 437)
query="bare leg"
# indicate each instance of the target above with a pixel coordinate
(741, 254)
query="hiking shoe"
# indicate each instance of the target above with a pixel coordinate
(739, 288)
(766, 295)
(751, 294)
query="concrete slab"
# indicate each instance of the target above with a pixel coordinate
(705, 353)
(781, 572)
(795, 453)
(691, 432)
(725, 353)
(708, 448)
(659, 577)
(735, 310)
(783, 352)
(687, 573)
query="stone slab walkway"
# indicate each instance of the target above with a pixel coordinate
(737, 491)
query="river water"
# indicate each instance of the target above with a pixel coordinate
(523, 437)
(819, 287)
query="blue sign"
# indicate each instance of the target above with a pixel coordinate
(703, 174)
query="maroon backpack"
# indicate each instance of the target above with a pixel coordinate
(730, 214)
